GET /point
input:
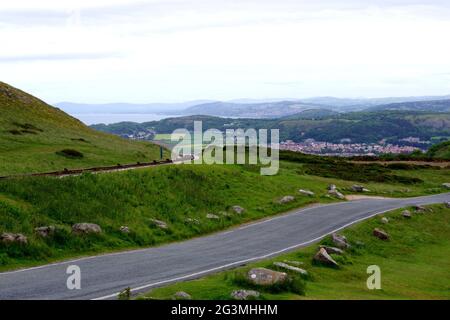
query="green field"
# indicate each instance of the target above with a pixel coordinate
(168, 193)
(33, 134)
(414, 264)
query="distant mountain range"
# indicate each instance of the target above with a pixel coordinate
(83, 108)
(261, 109)
(431, 106)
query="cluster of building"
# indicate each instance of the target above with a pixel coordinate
(344, 149)
(140, 135)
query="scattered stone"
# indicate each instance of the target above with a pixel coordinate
(323, 257)
(159, 223)
(225, 214)
(13, 238)
(384, 220)
(358, 188)
(380, 234)
(124, 229)
(181, 295)
(331, 187)
(266, 277)
(332, 250)
(291, 268)
(420, 208)
(306, 192)
(238, 209)
(340, 241)
(336, 194)
(446, 185)
(286, 199)
(244, 294)
(192, 220)
(295, 263)
(212, 216)
(86, 228)
(447, 204)
(406, 214)
(45, 231)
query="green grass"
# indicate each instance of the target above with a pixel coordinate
(440, 151)
(414, 264)
(33, 134)
(169, 193)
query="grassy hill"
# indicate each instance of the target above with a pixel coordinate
(318, 124)
(174, 194)
(440, 151)
(35, 137)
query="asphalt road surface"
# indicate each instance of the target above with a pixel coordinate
(102, 277)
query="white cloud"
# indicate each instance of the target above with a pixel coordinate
(137, 51)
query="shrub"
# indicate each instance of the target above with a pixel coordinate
(70, 153)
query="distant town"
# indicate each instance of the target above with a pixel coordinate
(344, 149)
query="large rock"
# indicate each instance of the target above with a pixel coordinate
(244, 294)
(336, 194)
(86, 228)
(331, 187)
(160, 224)
(286, 199)
(283, 265)
(332, 250)
(238, 209)
(181, 295)
(358, 188)
(306, 192)
(324, 258)
(13, 238)
(45, 231)
(447, 204)
(380, 234)
(446, 185)
(266, 277)
(212, 216)
(340, 241)
(420, 209)
(406, 214)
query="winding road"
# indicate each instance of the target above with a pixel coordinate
(102, 277)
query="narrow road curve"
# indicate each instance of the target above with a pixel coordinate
(102, 277)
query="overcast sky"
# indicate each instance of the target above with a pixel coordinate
(176, 50)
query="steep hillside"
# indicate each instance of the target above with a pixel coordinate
(36, 137)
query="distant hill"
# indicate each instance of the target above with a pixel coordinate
(251, 110)
(36, 137)
(440, 151)
(318, 124)
(168, 108)
(430, 106)
(279, 109)
(357, 104)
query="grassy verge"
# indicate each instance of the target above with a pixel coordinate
(173, 194)
(414, 264)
